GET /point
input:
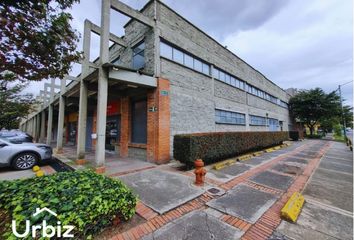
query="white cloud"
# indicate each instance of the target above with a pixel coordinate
(306, 45)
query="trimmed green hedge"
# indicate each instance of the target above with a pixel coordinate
(87, 200)
(213, 147)
(294, 135)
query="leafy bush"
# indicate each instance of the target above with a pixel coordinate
(338, 131)
(294, 135)
(213, 147)
(83, 198)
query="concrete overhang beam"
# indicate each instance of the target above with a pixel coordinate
(130, 12)
(130, 77)
(96, 29)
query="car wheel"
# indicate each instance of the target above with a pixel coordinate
(24, 161)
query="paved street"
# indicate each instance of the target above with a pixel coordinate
(243, 201)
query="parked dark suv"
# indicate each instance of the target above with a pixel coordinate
(16, 136)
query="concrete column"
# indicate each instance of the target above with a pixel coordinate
(50, 113)
(157, 41)
(81, 139)
(30, 126)
(38, 126)
(61, 116)
(34, 130)
(102, 87)
(42, 133)
(49, 124)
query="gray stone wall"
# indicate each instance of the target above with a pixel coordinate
(194, 96)
(192, 106)
(135, 32)
(178, 31)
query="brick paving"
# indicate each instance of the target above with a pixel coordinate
(265, 225)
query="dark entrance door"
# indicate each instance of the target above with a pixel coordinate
(72, 131)
(139, 121)
(112, 131)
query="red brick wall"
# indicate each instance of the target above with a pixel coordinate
(125, 126)
(158, 129)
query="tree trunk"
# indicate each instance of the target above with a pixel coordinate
(311, 130)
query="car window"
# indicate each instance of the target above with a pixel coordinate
(6, 135)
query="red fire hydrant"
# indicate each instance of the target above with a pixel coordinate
(199, 172)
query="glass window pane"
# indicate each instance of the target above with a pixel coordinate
(206, 69)
(233, 82)
(178, 56)
(138, 56)
(139, 48)
(166, 51)
(138, 61)
(116, 61)
(198, 66)
(242, 85)
(222, 76)
(188, 61)
(227, 78)
(216, 73)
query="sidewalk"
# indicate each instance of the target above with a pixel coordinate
(328, 211)
(242, 201)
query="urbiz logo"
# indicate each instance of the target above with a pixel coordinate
(47, 230)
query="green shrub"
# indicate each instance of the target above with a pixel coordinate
(294, 135)
(338, 131)
(213, 147)
(83, 199)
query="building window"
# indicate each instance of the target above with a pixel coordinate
(166, 51)
(183, 58)
(228, 79)
(188, 61)
(198, 65)
(273, 124)
(178, 56)
(228, 117)
(116, 61)
(138, 56)
(258, 121)
(206, 69)
(283, 104)
(216, 73)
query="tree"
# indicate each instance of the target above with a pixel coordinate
(348, 116)
(312, 106)
(14, 105)
(36, 39)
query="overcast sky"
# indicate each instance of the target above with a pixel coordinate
(295, 43)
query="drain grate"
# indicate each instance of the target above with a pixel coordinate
(60, 166)
(214, 190)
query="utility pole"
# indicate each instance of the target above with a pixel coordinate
(341, 105)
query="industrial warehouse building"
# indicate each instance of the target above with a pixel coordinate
(163, 77)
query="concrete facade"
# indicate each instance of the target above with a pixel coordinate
(137, 110)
